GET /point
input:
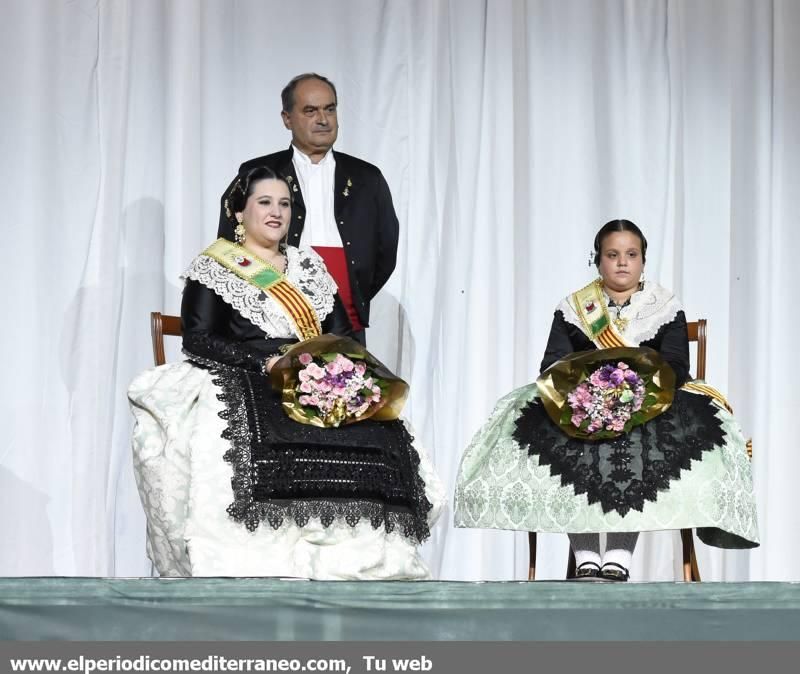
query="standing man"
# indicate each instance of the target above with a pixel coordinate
(342, 205)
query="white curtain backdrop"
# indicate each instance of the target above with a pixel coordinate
(509, 132)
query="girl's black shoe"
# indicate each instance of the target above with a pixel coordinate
(613, 571)
(587, 571)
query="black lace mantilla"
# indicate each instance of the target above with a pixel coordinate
(624, 472)
(284, 469)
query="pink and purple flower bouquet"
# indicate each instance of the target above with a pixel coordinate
(335, 388)
(330, 381)
(602, 394)
(607, 400)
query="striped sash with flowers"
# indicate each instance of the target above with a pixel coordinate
(590, 305)
(265, 277)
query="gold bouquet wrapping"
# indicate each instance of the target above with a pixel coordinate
(563, 376)
(285, 378)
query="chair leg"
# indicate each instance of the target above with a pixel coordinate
(695, 568)
(691, 572)
(531, 555)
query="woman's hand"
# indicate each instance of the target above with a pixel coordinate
(271, 362)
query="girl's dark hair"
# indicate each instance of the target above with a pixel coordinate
(617, 226)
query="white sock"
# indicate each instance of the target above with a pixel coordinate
(586, 548)
(619, 548)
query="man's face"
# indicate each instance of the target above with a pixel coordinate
(312, 120)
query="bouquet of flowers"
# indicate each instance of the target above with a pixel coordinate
(336, 387)
(601, 394)
(607, 400)
(328, 381)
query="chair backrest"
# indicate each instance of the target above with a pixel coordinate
(164, 324)
(160, 325)
(697, 333)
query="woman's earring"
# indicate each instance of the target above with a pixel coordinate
(641, 281)
(591, 258)
(240, 233)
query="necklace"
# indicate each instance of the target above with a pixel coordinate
(620, 322)
(278, 261)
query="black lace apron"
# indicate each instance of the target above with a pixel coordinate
(287, 470)
(626, 471)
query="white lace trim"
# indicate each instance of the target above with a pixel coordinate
(307, 271)
(650, 308)
(304, 269)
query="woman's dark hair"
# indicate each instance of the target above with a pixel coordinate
(617, 226)
(239, 193)
(245, 183)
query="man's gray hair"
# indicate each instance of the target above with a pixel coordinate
(287, 95)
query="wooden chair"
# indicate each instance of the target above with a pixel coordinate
(160, 325)
(697, 333)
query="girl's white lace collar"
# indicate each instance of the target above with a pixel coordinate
(648, 309)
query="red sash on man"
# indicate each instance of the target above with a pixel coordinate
(336, 262)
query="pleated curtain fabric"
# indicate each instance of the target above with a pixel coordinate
(508, 131)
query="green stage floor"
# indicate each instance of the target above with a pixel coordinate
(257, 609)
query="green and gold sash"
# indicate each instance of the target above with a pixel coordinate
(264, 276)
(591, 307)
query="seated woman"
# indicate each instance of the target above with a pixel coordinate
(686, 468)
(231, 486)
